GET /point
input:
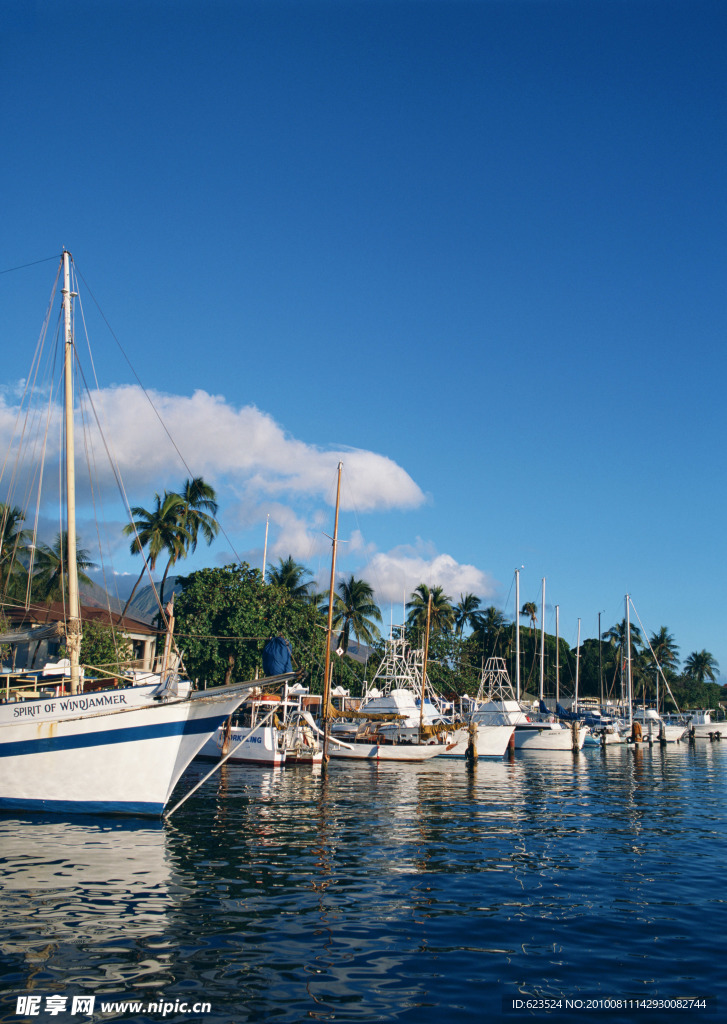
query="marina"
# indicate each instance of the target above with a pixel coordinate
(414, 893)
(362, 648)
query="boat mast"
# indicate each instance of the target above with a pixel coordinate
(517, 633)
(73, 627)
(600, 659)
(542, 642)
(557, 655)
(628, 662)
(265, 549)
(424, 666)
(329, 629)
(578, 660)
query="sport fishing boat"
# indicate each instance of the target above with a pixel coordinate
(655, 729)
(533, 730)
(392, 723)
(267, 729)
(249, 736)
(700, 725)
(118, 750)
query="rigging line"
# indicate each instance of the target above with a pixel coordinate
(23, 266)
(78, 274)
(37, 483)
(91, 459)
(32, 379)
(113, 461)
(122, 492)
(88, 438)
(661, 671)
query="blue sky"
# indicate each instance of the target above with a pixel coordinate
(476, 250)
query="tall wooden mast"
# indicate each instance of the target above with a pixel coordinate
(73, 626)
(329, 629)
(424, 666)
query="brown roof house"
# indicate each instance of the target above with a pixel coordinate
(38, 633)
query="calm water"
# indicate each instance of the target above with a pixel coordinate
(391, 893)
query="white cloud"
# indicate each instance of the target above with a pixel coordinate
(244, 446)
(259, 470)
(395, 574)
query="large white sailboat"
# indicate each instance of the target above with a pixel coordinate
(118, 750)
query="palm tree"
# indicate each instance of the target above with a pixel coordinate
(700, 666)
(492, 621)
(491, 636)
(617, 639)
(617, 634)
(157, 530)
(290, 575)
(466, 613)
(196, 516)
(442, 615)
(13, 542)
(665, 648)
(319, 600)
(51, 576)
(531, 610)
(356, 612)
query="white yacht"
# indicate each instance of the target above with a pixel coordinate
(391, 723)
(701, 726)
(655, 729)
(533, 730)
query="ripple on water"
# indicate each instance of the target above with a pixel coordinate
(374, 893)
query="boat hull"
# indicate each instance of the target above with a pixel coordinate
(545, 737)
(603, 738)
(492, 741)
(411, 752)
(257, 745)
(117, 752)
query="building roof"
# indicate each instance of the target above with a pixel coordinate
(40, 614)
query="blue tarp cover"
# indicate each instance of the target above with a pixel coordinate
(277, 657)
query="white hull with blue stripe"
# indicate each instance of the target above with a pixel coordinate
(115, 751)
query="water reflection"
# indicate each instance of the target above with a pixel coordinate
(369, 893)
(71, 888)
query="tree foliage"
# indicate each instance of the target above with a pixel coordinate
(102, 646)
(225, 616)
(355, 612)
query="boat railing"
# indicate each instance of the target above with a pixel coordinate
(24, 690)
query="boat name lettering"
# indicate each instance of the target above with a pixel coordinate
(84, 703)
(29, 710)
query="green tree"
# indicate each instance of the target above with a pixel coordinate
(442, 614)
(13, 549)
(617, 651)
(665, 649)
(290, 575)
(491, 632)
(466, 613)
(355, 612)
(530, 609)
(103, 647)
(701, 666)
(225, 616)
(157, 530)
(196, 516)
(50, 579)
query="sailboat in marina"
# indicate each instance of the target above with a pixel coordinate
(116, 750)
(498, 704)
